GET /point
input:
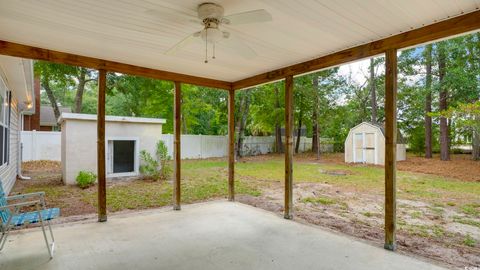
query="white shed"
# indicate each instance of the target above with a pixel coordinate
(365, 143)
(125, 137)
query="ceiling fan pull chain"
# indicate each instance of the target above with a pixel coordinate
(213, 51)
(206, 45)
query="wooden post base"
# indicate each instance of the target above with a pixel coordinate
(102, 218)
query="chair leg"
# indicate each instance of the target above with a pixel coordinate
(50, 250)
(5, 233)
(51, 235)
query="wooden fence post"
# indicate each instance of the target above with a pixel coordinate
(390, 147)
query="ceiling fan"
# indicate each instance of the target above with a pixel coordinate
(211, 16)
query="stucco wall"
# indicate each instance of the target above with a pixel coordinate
(79, 142)
(380, 145)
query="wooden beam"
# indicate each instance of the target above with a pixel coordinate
(454, 26)
(390, 147)
(176, 146)
(231, 145)
(101, 174)
(25, 51)
(288, 147)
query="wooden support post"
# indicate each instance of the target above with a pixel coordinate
(390, 147)
(231, 145)
(288, 147)
(176, 146)
(101, 174)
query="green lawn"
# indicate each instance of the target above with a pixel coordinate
(206, 179)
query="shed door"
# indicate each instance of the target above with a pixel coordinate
(369, 146)
(358, 147)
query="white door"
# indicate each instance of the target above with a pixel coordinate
(358, 148)
(369, 146)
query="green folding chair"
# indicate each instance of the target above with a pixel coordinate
(12, 217)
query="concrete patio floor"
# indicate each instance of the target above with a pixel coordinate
(214, 235)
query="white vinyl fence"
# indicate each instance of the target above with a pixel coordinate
(43, 145)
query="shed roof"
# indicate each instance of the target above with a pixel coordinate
(110, 118)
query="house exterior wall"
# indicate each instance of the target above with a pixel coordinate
(8, 171)
(79, 142)
(379, 146)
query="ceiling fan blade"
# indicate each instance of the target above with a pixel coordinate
(236, 45)
(171, 14)
(184, 42)
(254, 16)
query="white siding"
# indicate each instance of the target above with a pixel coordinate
(8, 172)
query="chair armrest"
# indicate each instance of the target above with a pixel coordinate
(26, 196)
(22, 204)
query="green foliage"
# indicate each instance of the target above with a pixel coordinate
(469, 241)
(156, 168)
(85, 179)
(149, 167)
(163, 158)
(319, 200)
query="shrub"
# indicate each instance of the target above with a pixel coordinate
(158, 168)
(85, 179)
(163, 158)
(149, 167)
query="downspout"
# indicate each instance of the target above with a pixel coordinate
(25, 108)
(20, 149)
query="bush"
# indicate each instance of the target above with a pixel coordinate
(85, 179)
(163, 158)
(149, 167)
(158, 168)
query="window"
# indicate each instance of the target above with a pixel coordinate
(5, 111)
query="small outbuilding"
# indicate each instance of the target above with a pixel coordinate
(125, 137)
(365, 143)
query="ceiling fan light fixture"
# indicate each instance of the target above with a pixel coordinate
(211, 35)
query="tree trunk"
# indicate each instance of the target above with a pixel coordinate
(428, 102)
(443, 105)
(51, 97)
(299, 131)
(315, 135)
(82, 80)
(476, 143)
(278, 127)
(373, 91)
(243, 121)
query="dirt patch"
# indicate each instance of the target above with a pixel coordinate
(42, 166)
(459, 167)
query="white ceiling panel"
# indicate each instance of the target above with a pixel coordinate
(127, 31)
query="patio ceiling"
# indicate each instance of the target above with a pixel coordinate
(301, 30)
